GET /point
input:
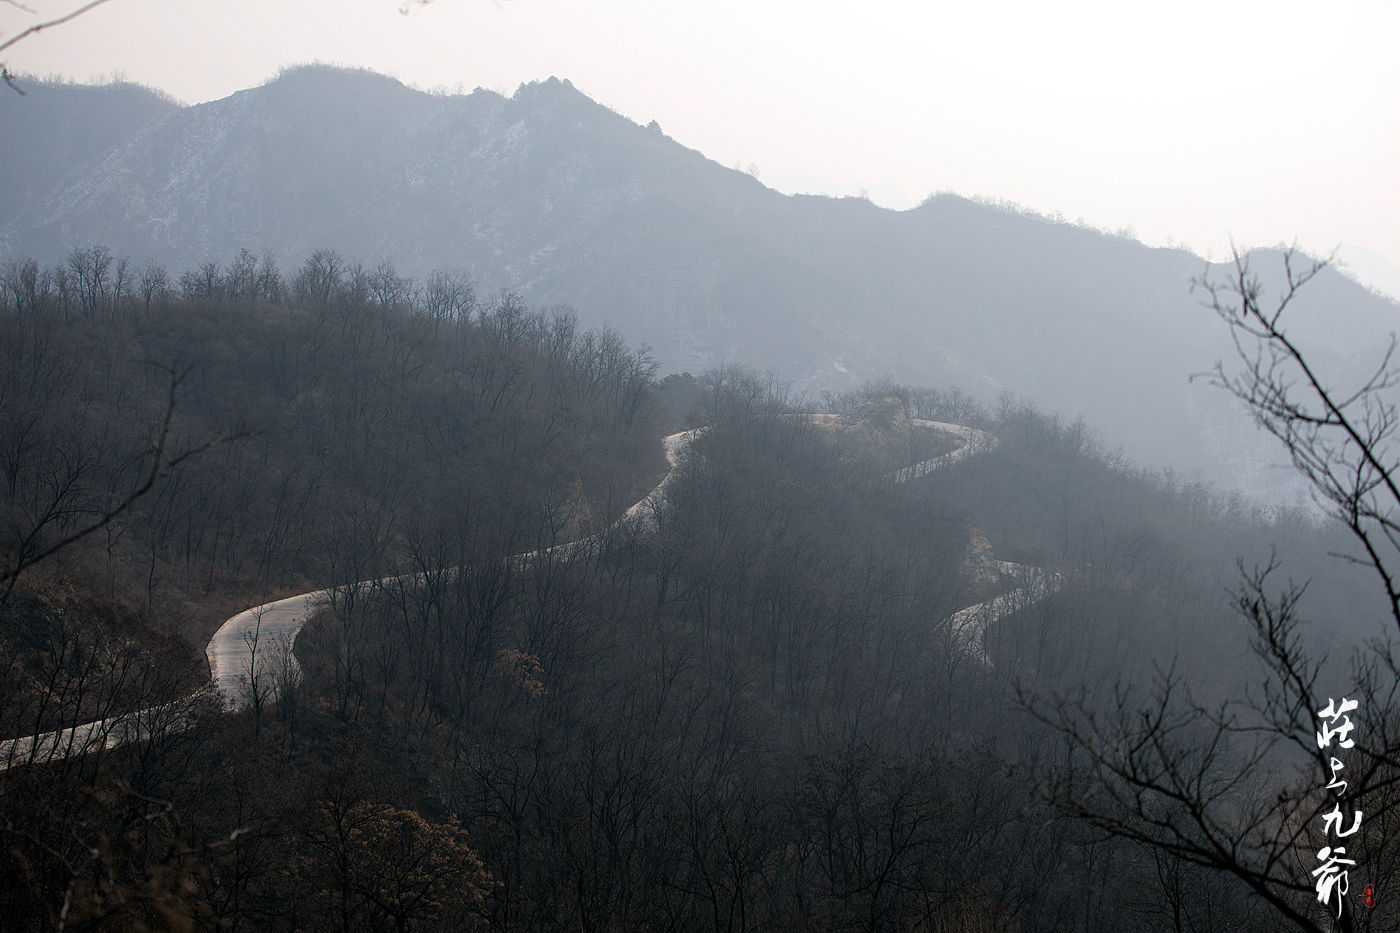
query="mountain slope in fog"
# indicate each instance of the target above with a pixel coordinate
(553, 195)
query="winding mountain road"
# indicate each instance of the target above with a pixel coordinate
(252, 652)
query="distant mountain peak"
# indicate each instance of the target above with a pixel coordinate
(553, 195)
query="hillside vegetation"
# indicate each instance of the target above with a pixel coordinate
(752, 711)
(552, 196)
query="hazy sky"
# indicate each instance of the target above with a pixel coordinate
(1188, 122)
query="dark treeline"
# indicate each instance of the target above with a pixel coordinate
(329, 418)
(751, 710)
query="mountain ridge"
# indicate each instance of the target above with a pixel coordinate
(552, 195)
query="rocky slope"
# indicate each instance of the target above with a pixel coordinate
(553, 195)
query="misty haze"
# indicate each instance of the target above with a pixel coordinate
(478, 510)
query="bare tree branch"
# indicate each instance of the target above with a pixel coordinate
(162, 465)
(1341, 442)
(1235, 788)
(39, 27)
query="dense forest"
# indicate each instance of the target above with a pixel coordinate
(753, 711)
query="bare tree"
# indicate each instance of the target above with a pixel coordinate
(90, 272)
(241, 279)
(206, 283)
(321, 276)
(1341, 440)
(5, 74)
(26, 285)
(258, 685)
(1241, 786)
(286, 676)
(270, 285)
(447, 296)
(154, 284)
(65, 483)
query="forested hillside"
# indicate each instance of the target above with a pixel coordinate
(551, 195)
(328, 423)
(755, 710)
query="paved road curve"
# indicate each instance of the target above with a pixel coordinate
(251, 653)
